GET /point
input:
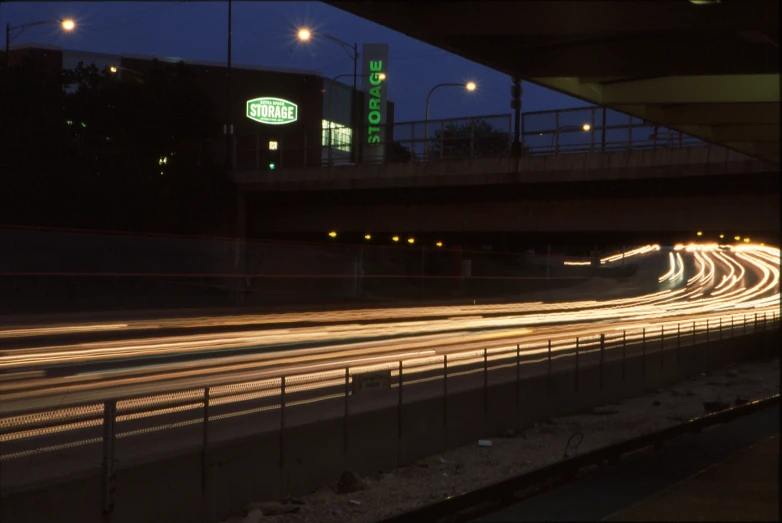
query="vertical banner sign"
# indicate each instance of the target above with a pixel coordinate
(374, 60)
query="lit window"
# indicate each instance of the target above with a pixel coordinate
(340, 137)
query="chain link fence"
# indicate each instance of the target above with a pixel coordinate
(79, 438)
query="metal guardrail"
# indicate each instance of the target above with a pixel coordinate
(99, 425)
(542, 133)
(470, 505)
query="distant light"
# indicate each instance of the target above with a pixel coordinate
(161, 173)
(439, 244)
(737, 238)
(68, 24)
(367, 236)
(272, 166)
(471, 86)
(746, 240)
(586, 127)
(333, 234)
(272, 145)
(411, 241)
(113, 69)
(395, 238)
(382, 76)
(304, 34)
(700, 233)
(704, 2)
(722, 235)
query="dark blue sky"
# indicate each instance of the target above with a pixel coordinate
(263, 33)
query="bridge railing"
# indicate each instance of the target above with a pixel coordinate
(594, 129)
(556, 132)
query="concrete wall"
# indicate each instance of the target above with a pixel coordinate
(607, 214)
(660, 163)
(251, 469)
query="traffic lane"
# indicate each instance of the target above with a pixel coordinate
(193, 375)
(745, 487)
(606, 493)
(253, 411)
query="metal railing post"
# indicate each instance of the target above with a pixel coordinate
(472, 137)
(643, 354)
(624, 353)
(109, 438)
(399, 416)
(282, 437)
(205, 443)
(662, 348)
(575, 376)
(548, 374)
(485, 381)
(445, 393)
(518, 375)
(345, 425)
(678, 346)
(442, 139)
(602, 343)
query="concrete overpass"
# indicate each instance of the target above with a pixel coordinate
(708, 68)
(653, 193)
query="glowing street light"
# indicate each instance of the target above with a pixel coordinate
(67, 25)
(395, 238)
(722, 236)
(737, 238)
(306, 35)
(469, 86)
(367, 236)
(586, 127)
(411, 241)
(333, 234)
(439, 244)
(700, 233)
(746, 240)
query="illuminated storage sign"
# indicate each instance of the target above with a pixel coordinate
(374, 62)
(272, 111)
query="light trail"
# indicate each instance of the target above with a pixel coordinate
(745, 280)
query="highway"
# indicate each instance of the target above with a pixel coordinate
(53, 393)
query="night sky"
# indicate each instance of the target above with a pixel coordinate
(264, 35)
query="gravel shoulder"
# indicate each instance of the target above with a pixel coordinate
(542, 444)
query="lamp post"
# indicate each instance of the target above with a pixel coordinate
(381, 76)
(585, 127)
(66, 24)
(115, 69)
(470, 86)
(305, 35)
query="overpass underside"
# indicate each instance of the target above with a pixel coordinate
(707, 68)
(651, 209)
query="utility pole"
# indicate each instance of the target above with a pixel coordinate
(228, 124)
(515, 104)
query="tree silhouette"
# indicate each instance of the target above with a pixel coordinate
(87, 149)
(478, 139)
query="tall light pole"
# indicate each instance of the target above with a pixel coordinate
(470, 86)
(305, 35)
(228, 123)
(66, 24)
(381, 76)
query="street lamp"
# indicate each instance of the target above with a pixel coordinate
(586, 127)
(469, 86)
(66, 25)
(381, 77)
(305, 35)
(115, 69)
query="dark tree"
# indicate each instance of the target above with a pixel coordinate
(87, 149)
(479, 139)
